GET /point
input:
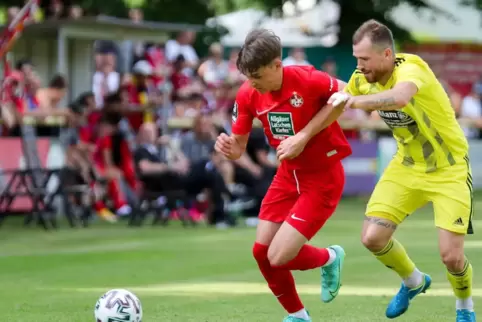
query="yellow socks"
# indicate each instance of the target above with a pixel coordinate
(394, 256)
(462, 285)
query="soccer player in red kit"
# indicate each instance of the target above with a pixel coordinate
(291, 103)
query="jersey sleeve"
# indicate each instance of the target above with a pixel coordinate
(85, 134)
(323, 84)
(352, 88)
(242, 119)
(411, 72)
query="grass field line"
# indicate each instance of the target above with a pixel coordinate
(79, 249)
(410, 223)
(229, 288)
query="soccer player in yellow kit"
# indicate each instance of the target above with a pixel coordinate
(431, 164)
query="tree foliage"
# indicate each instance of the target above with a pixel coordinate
(353, 12)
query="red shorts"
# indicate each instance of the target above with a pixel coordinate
(304, 199)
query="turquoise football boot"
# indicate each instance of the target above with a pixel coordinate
(331, 276)
(465, 316)
(290, 318)
(401, 301)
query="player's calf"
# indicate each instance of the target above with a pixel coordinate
(377, 237)
(289, 250)
(459, 273)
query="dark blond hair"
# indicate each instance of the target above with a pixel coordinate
(260, 48)
(379, 34)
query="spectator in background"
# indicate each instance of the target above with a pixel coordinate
(114, 159)
(87, 101)
(329, 67)
(88, 131)
(189, 106)
(182, 45)
(12, 12)
(471, 110)
(32, 85)
(143, 92)
(478, 87)
(104, 166)
(49, 98)
(296, 57)
(106, 79)
(56, 9)
(196, 145)
(155, 55)
(152, 162)
(235, 75)
(181, 83)
(258, 150)
(18, 87)
(77, 156)
(75, 12)
(207, 167)
(214, 70)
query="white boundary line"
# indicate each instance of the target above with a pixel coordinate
(236, 289)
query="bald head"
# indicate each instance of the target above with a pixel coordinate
(148, 133)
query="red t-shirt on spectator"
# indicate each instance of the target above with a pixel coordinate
(14, 91)
(103, 143)
(156, 57)
(180, 80)
(87, 134)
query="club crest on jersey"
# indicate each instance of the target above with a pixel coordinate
(235, 112)
(296, 100)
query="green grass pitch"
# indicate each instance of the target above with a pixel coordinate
(201, 274)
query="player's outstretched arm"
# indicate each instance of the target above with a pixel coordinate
(293, 146)
(396, 98)
(324, 118)
(326, 86)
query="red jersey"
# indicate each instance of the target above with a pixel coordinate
(102, 144)
(284, 113)
(14, 91)
(155, 56)
(119, 148)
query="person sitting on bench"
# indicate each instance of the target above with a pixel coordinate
(152, 164)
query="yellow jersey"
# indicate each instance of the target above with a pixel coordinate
(427, 132)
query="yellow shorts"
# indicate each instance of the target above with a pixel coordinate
(402, 190)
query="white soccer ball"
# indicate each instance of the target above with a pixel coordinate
(118, 305)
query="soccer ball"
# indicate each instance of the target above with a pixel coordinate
(118, 305)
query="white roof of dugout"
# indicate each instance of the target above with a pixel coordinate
(423, 26)
(289, 29)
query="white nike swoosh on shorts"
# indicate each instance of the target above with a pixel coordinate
(297, 218)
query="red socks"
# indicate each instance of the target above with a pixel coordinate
(309, 257)
(280, 281)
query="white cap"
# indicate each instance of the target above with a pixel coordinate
(142, 67)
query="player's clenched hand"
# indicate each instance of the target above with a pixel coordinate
(227, 146)
(291, 147)
(340, 99)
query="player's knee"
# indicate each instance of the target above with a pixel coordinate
(453, 259)
(260, 252)
(373, 242)
(278, 256)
